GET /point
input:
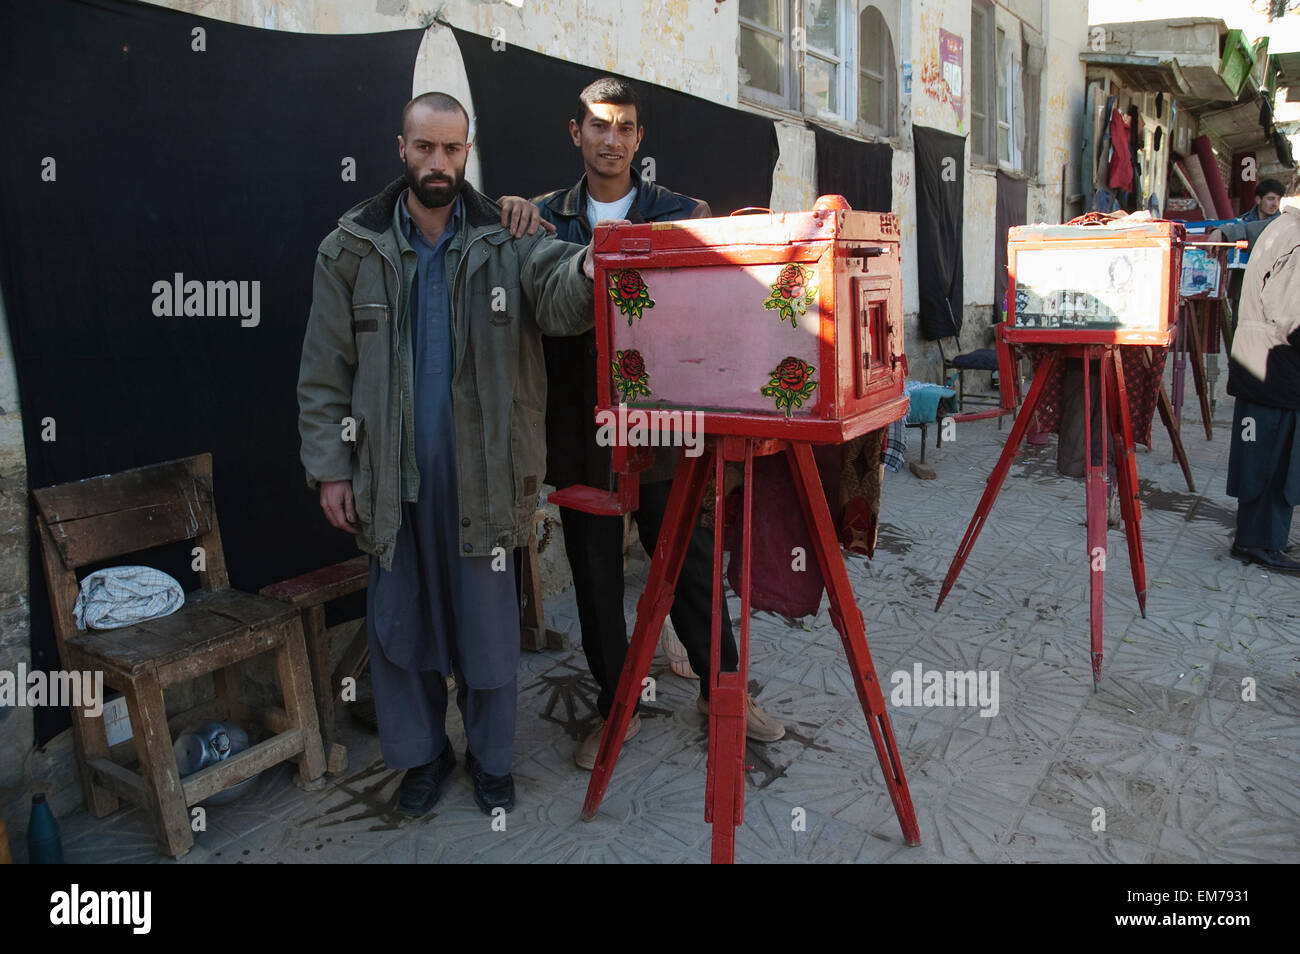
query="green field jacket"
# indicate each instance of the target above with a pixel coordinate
(355, 379)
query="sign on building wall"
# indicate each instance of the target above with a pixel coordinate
(950, 50)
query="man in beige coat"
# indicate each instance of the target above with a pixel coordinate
(1264, 376)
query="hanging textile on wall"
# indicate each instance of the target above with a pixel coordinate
(940, 179)
(135, 165)
(1010, 211)
(859, 171)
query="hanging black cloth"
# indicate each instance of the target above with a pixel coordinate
(1010, 212)
(859, 171)
(523, 102)
(940, 181)
(227, 163)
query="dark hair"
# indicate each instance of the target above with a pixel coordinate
(440, 102)
(1270, 185)
(608, 89)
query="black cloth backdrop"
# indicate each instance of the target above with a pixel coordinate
(859, 171)
(940, 179)
(1010, 212)
(224, 164)
(523, 102)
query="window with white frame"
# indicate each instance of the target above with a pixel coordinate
(830, 59)
(877, 96)
(823, 69)
(767, 73)
(983, 115)
(1007, 151)
(1005, 84)
(1031, 55)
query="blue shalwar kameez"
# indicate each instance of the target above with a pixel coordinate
(437, 612)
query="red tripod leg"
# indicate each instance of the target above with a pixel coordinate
(1095, 495)
(848, 621)
(1198, 370)
(724, 794)
(1175, 435)
(1121, 428)
(679, 521)
(1000, 470)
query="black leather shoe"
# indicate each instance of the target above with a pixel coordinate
(421, 786)
(1274, 560)
(490, 791)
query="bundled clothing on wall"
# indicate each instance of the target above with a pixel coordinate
(1121, 165)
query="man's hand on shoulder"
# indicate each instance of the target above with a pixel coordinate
(589, 261)
(339, 505)
(521, 217)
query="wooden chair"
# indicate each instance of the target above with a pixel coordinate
(89, 521)
(981, 359)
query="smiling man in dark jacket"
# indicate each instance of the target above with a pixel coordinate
(422, 393)
(607, 129)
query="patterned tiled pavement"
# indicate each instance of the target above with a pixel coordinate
(1181, 766)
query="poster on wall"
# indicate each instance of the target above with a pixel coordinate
(950, 51)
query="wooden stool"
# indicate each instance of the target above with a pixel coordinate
(309, 592)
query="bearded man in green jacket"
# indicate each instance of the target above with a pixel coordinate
(422, 395)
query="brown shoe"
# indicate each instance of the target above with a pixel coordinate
(585, 757)
(759, 726)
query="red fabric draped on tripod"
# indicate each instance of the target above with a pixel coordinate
(1141, 377)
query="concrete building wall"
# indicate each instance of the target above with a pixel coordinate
(1252, 17)
(691, 45)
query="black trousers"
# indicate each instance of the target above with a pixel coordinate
(1264, 474)
(594, 545)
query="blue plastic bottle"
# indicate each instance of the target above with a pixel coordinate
(44, 843)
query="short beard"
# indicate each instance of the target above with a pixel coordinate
(434, 196)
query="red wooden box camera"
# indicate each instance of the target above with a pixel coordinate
(1094, 284)
(770, 325)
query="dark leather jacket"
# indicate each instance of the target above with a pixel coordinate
(572, 454)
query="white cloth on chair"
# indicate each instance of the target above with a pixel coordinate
(125, 595)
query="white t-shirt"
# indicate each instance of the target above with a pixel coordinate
(599, 211)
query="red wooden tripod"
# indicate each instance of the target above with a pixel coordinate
(725, 788)
(1189, 343)
(1115, 416)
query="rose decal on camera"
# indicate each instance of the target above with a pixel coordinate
(628, 291)
(791, 384)
(629, 374)
(793, 291)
